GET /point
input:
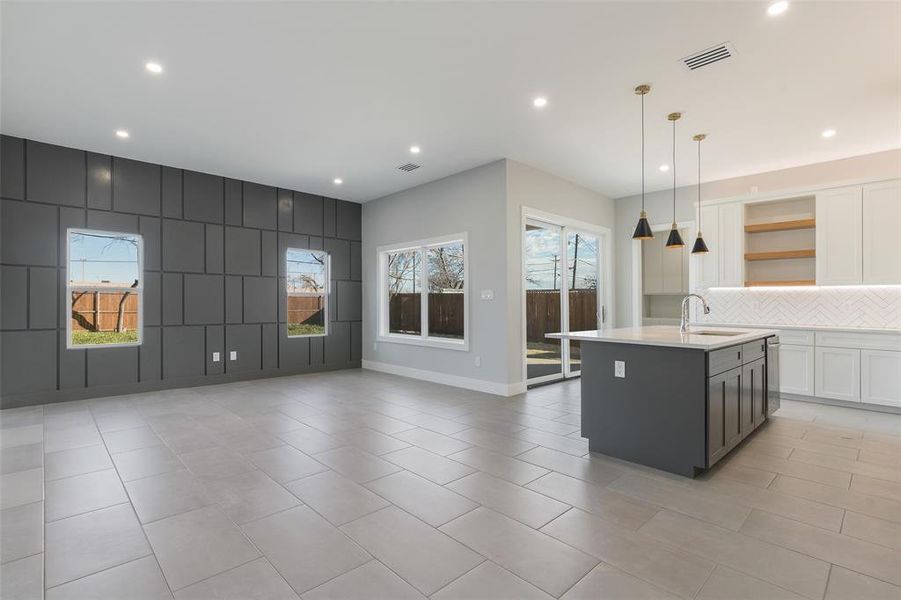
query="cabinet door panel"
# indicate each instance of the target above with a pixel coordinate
(753, 406)
(880, 377)
(672, 270)
(796, 369)
(708, 264)
(838, 373)
(839, 236)
(723, 414)
(731, 246)
(652, 264)
(882, 233)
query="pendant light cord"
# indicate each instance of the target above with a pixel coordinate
(674, 170)
(699, 185)
(642, 153)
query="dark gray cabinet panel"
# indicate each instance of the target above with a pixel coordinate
(33, 361)
(136, 187)
(234, 211)
(183, 352)
(12, 167)
(173, 299)
(348, 220)
(42, 286)
(172, 193)
(285, 210)
(204, 197)
(150, 230)
(100, 194)
(753, 395)
(246, 341)
(55, 174)
(112, 366)
(753, 350)
(242, 251)
(723, 414)
(204, 299)
(183, 246)
(307, 213)
(14, 298)
(719, 361)
(150, 355)
(260, 304)
(28, 233)
(110, 221)
(260, 206)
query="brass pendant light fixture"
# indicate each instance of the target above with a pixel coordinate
(700, 246)
(643, 229)
(675, 239)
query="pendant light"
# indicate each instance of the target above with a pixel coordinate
(700, 246)
(643, 229)
(675, 239)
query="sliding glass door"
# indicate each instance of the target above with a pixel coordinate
(563, 284)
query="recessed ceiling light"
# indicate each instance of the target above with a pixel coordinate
(154, 67)
(121, 133)
(337, 181)
(663, 168)
(828, 133)
(539, 102)
(777, 8)
(415, 149)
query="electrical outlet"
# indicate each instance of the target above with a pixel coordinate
(215, 357)
(487, 295)
(478, 361)
(619, 368)
(233, 355)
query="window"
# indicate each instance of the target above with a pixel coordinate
(307, 286)
(424, 293)
(104, 288)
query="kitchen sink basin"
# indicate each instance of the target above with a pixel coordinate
(717, 333)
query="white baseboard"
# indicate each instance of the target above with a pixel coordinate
(489, 387)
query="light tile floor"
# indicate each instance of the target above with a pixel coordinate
(356, 484)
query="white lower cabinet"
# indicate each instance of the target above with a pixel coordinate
(880, 377)
(837, 373)
(796, 369)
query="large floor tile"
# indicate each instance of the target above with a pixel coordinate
(22, 579)
(248, 496)
(432, 441)
(488, 581)
(21, 458)
(858, 499)
(635, 553)
(877, 487)
(848, 585)
(494, 441)
(310, 440)
(76, 461)
(871, 529)
(144, 462)
(371, 581)
(21, 487)
(89, 543)
(597, 472)
(432, 466)
(728, 583)
(76, 436)
(215, 462)
(305, 548)
(784, 466)
(140, 579)
(10, 437)
(285, 463)
(420, 554)
(605, 581)
(785, 568)
(370, 440)
(526, 506)
(165, 495)
(499, 465)
(534, 556)
(257, 580)
(434, 504)
(355, 464)
(336, 497)
(21, 531)
(83, 493)
(196, 545)
(125, 440)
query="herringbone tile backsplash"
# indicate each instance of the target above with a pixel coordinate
(876, 306)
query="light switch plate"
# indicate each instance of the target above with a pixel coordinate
(487, 295)
(619, 368)
(215, 357)
(233, 355)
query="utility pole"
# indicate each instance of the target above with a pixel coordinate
(575, 262)
(556, 259)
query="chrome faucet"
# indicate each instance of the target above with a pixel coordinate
(683, 326)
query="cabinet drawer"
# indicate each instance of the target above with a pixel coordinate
(753, 350)
(723, 360)
(796, 337)
(865, 340)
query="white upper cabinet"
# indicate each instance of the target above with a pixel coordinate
(882, 233)
(839, 232)
(730, 245)
(708, 264)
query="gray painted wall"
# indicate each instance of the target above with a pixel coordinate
(213, 274)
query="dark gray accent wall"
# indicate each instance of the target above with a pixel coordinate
(213, 274)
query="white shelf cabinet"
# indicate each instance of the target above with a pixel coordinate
(880, 377)
(796, 369)
(882, 233)
(731, 245)
(708, 264)
(839, 234)
(837, 373)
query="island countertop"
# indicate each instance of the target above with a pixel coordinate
(663, 335)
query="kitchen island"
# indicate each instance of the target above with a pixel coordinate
(671, 400)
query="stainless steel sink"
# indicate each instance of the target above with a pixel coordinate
(717, 333)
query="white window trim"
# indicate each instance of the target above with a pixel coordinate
(326, 294)
(87, 288)
(423, 339)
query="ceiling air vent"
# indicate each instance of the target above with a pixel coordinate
(408, 167)
(709, 56)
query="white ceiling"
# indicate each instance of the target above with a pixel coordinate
(297, 94)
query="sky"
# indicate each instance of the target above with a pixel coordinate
(98, 257)
(543, 245)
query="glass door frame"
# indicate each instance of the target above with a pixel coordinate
(566, 226)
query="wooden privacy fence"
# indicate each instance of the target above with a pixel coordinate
(305, 309)
(543, 312)
(445, 313)
(99, 311)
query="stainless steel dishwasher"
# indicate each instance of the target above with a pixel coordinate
(772, 375)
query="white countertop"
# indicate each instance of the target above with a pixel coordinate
(663, 335)
(806, 327)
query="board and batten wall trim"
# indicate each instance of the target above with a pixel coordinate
(214, 274)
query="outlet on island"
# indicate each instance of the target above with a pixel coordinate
(619, 368)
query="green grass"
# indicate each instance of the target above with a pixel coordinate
(305, 329)
(96, 338)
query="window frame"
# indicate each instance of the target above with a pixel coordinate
(326, 294)
(423, 339)
(139, 290)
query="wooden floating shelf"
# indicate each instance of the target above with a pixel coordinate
(796, 282)
(780, 254)
(781, 226)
